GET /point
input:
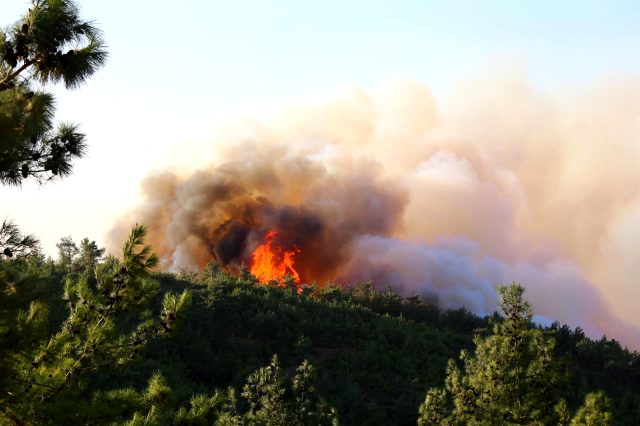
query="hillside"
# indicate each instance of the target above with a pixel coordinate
(375, 353)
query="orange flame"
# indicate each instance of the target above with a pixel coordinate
(273, 263)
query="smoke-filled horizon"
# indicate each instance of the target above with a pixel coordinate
(500, 184)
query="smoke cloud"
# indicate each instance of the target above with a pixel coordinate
(500, 183)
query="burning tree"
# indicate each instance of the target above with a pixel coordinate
(271, 262)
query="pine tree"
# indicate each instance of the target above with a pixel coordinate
(88, 255)
(270, 399)
(67, 251)
(49, 44)
(107, 325)
(594, 412)
(273, 402)
(512, 379)
(15, 243)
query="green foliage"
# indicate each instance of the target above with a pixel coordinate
(434, 409)
(80, 263)
(203, 410)
(49, 44)
(45, 374)
(594, 412)
(15, 243)
(158, 393)
(270, 403)
(67, 250)
(89, 255)
(373, 353)
(512, 379)
(265, 393)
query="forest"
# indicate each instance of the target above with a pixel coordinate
(92, 340)
(97, 338)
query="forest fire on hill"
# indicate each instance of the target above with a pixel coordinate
(270, 262)
(442, 203)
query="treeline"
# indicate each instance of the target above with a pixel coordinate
(86, 340)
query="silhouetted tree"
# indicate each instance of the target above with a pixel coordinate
(89, 254)
(67, 251)
(15, 243)
(49, 44)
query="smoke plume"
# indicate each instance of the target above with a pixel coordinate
(501, 183)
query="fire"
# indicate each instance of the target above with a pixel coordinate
(273, 263)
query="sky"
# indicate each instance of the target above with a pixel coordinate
(177, 72)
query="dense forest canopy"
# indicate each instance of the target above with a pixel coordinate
(198, 348)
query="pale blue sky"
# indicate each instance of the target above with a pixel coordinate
(176, 67)
(237, 51)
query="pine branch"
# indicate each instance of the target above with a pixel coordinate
(6, 82)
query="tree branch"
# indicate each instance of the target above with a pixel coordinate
(5, 83)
